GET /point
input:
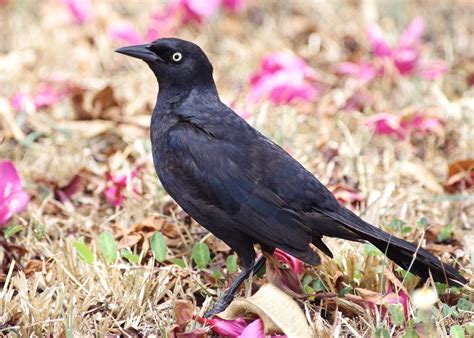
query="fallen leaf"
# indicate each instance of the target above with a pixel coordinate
(184, 313)
(278, 311)
(460, 175)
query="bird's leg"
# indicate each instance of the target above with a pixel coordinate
(228, 295)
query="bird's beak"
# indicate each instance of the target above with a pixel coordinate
(142, 52)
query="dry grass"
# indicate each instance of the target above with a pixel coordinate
(47, 289)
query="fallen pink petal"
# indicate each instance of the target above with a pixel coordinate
(385, 124)
(254, 330)
(377, 40)
(125, 32)
(284, 78)
(229, 328)
(81, 10)
(294, 263)
(431, 70)
(13, 199)
(117, 184)
(197, 10)
(411, 37)
(405, 60)
(235, 5)
(364, 71)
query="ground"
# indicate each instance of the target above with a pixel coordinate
(392, 138)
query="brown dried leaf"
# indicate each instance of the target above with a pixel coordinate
(184, 310)
(460, 175)
(277, 310)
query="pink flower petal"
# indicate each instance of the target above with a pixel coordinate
(81, 10)
(47, 96)
(228, 328)
(295, 264)
(283, 78)
(117, 184)
(411, 37)
(235, 5)
(385, 124)
(125, 31)
(432, 70)
(198, 10)
(364, 72)
(377, 40)
(405, 60)
(164, 23)
(18, 100)
(254, 330)
(13, 199)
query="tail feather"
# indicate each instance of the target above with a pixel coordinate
(418, 261)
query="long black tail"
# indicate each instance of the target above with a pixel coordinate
(418, 261)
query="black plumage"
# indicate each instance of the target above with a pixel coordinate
(240, 185)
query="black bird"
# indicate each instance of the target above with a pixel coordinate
(240, 185)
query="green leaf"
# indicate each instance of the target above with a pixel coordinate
(217, 274)
(372, 250)
(464, 305)
(470, 329)
(457, 331)
(201, 255)
(108, 247)
(345, 290)
(318, 285)
(422, 222)
(446, 233)
(129, 256)
(179, 262)
(306, 280)
(231, 263)
(397, 314)
(382, 333)
(158, 246)
(84, 252)
(11, 230)
(396, 224)
(410, 333)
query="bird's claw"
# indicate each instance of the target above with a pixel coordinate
(220, 306)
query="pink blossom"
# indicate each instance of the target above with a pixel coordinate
(45, 96)
(235, 5)
(364, 71)
(228, 328)
(380, 46)
(404, 125)
(198, 10)
(284, 78)
(13, 199)
(406, 56)
(235, 328)
(125, 31)
(385, 124)
(18, 100)
(400, 297)
(254, 330)
(295, 264)
(81, 10)
(117, 184)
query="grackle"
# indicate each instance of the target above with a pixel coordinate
(240, 185)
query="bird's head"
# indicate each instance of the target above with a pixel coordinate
(175, 62)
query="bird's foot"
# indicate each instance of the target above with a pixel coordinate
(220, 306)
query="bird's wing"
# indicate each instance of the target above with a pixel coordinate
(230, 176)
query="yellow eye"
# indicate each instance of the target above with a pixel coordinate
(176, 57)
